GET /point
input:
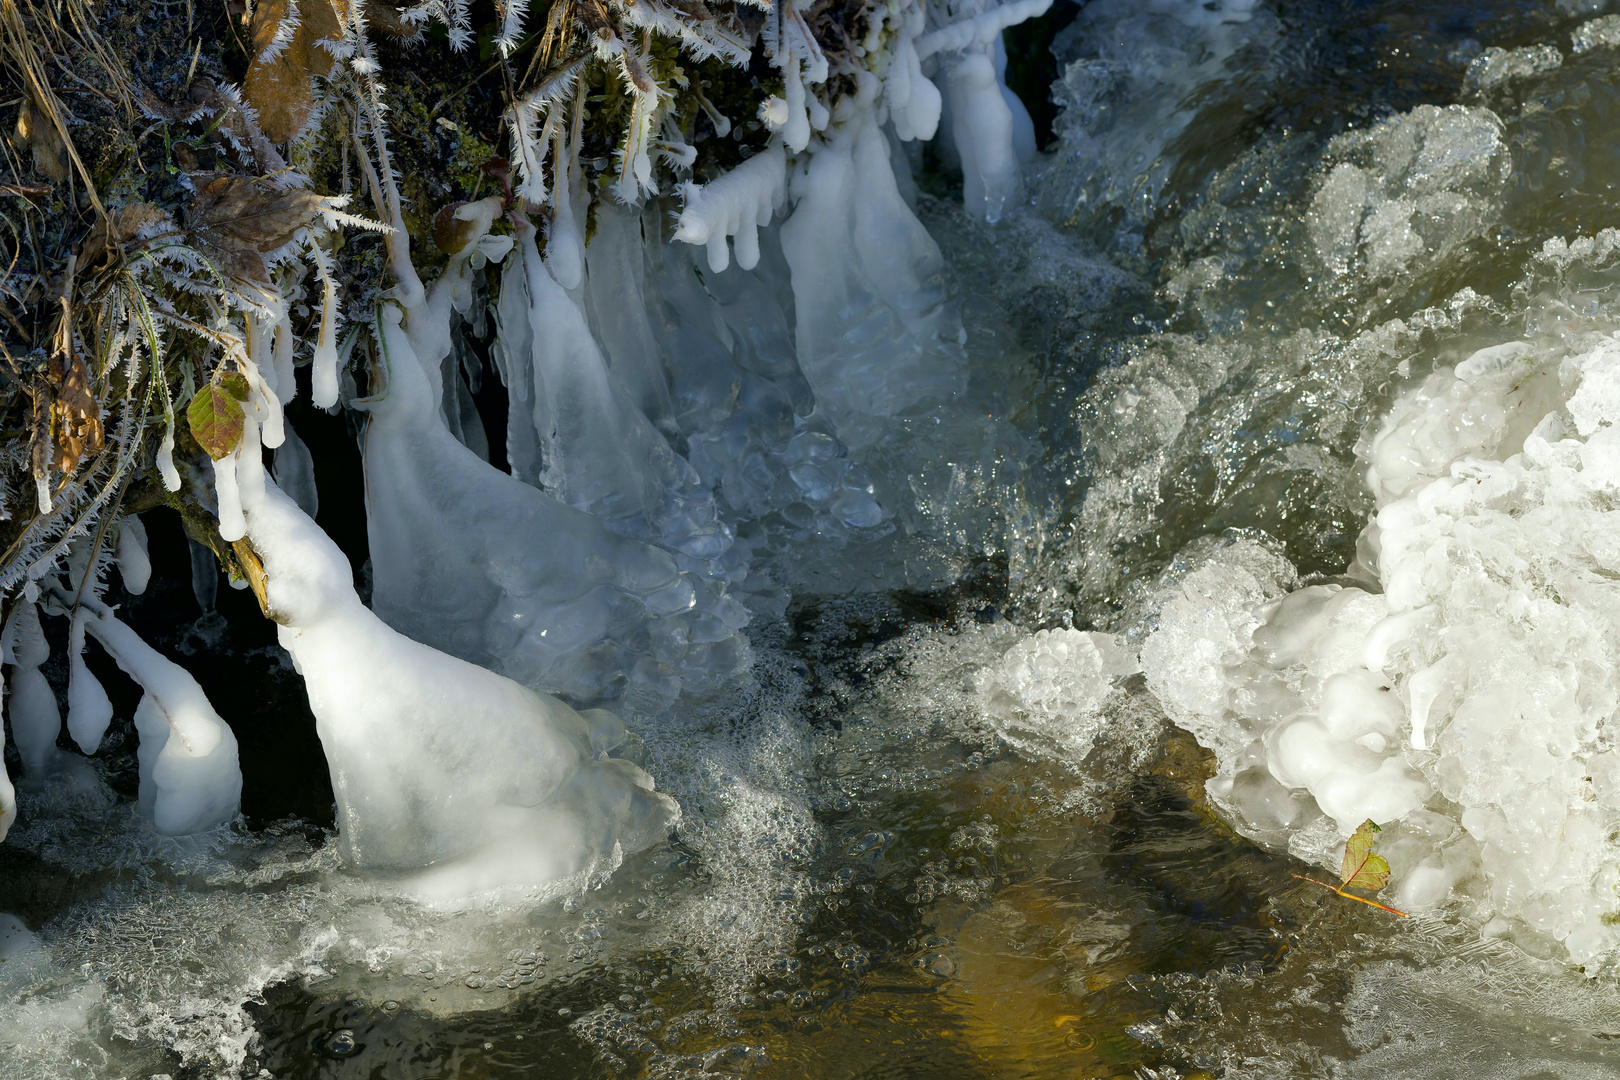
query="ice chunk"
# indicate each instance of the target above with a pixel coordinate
(1478, 686)
(1496, 66)
(1597, 34)
(1048, 692)
(1407, 191)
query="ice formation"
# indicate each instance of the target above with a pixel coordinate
(874, 331)
(190, 776)
(1408, 191)
(1466, 705)
(1046, 695)
(443, 769)
(990, 130)
(736, 206)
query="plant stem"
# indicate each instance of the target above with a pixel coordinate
(1352, 896)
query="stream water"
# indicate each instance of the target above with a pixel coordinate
(921, 841)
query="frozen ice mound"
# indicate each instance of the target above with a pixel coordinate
(1597, 34)
(1046, 696)
(1408, 190)
(1470, 700)
(439, 766)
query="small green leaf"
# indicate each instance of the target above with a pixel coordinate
(1362, 869)
(235, 384)
(216, 420)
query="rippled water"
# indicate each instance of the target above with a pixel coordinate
(890, 865)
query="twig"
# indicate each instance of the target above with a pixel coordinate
(1352, 896)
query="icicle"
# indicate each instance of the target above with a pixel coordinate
(190, 779)
(324, 368)
(565, 240)
(635, 167)
(249, 467)
(295, 472)
(35, 719)
(231, 526)
(8, 794)
(42, 488)
(616, 307)
(89, 710)
(282, 358)
(914, 101)
(134, 564)
(735, 204)
(981, 29)
(875, 334)
(798, 56)
(983, 129)
(265, 406)
(602, 454)
(165, 459)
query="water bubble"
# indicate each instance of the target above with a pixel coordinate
(341, 1044)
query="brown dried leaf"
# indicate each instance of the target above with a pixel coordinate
(257, 217)
(35, 130)
(235, 221)
(279, 88)
(76, 413)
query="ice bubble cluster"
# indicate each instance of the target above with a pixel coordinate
(1046, 695)
(1414, 186)
(1495, 67)
(1469, 703)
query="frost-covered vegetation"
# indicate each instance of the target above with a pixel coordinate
(243, 209)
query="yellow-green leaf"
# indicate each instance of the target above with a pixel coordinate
(1362, 869)
(235, 384)
(216, 420)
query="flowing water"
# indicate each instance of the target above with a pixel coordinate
(924, 839)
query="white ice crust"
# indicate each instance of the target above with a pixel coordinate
(1466, 707)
